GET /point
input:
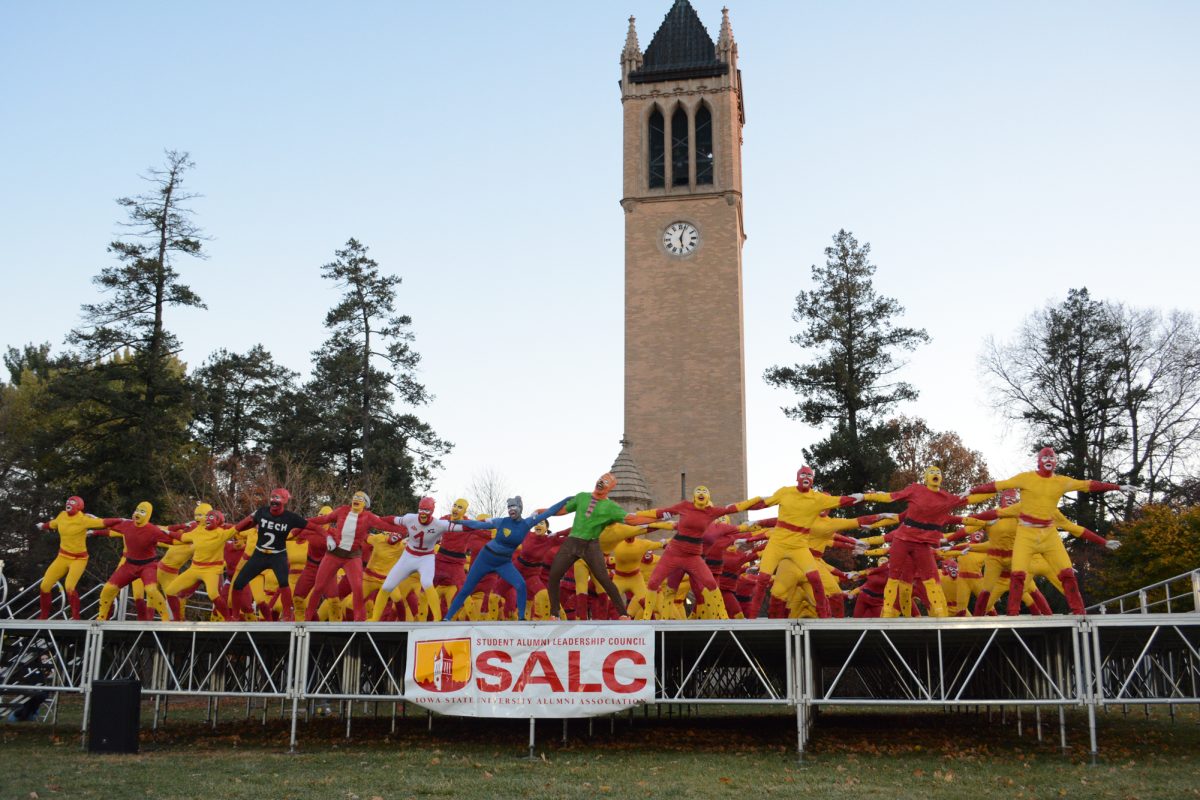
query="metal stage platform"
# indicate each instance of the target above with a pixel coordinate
(1041, 664)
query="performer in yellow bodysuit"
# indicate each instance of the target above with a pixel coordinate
(72, 526)
(177, 554)
(799, 508)
(386, 549)
(627, 570)
(1041, 491)
(208, 562)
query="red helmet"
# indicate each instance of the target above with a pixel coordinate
(425, 507)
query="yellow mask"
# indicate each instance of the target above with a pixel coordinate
(541, 528)
(701, 497)
(360, 502)
(459, 509)
(324, 510)
(141, 514)
(200, 513)
(933, 478)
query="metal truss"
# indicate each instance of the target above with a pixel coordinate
(1045, 663)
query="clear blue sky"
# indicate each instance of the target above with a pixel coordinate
(994, 154)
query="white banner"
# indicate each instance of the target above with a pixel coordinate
(530, 670)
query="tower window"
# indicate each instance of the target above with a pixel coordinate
(704, 145)
(658, 151)
(679, 147)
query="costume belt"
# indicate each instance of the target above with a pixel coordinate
(140, 562)
(787, 526)
(679, 537)
(530, 564)
(624, 574)
(373, 574)
(69, 554)
(1035, 522)
(168, 569)
(418, 552)
(451, 554)
(921, 526)
(870, 593)
(1000, 553)
(203, 564)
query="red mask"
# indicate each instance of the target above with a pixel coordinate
(1047, 460)
(425, 510)
(1008, 497)
(804, 478)
(279, 500)
(74, 505)
(214, 519)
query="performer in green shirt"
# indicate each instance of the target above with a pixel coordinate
(593, 513)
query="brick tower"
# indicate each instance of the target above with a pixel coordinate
(685, 396)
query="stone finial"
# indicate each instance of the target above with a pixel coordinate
(725, 40)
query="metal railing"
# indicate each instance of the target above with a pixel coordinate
(1173, 595)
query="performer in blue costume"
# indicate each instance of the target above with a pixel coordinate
(496, 555)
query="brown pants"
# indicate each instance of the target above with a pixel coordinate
(571, 551)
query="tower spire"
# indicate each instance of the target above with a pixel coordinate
(725, 43)
(631, 56)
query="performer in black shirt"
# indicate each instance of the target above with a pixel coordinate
(274, 523)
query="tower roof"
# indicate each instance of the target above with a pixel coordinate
(681, 48)
(631, 492)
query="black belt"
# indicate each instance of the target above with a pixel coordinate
(451, 554)
(316, 562)
(743, 598)
(711, 563)
(872, 594)
(924, 526)
(530, 564)
(679, 537)
(141, 561)
(732, 575)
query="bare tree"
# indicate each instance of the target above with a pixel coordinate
(488, 492)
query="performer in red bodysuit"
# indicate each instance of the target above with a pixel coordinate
(140, 559)
(920, 530)
(351, 526)
(312, 562)
(450, 560)
(684, 550)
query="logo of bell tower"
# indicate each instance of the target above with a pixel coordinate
(442, 665)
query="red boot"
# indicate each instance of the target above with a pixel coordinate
(73, 599)
(777, 609)
(981, 603)
(1070, 586)
(1042, 604)
(818, 590)
(1015, 587)
(45, 600)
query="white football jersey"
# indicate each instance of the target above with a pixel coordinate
(423, 536)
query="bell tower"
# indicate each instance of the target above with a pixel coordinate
(685, 394)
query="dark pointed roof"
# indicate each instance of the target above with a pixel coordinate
(681, 48)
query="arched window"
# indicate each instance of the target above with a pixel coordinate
(679, 147)
(658, 150)
(704, 145)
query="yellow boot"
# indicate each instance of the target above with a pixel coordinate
(107, 595)
(937, 598)
(890, 593)
(906, 591)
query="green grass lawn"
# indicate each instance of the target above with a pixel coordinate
(724, 753)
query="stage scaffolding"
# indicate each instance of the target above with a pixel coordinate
(1047, 664)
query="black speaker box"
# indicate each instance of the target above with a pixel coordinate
(115, 717)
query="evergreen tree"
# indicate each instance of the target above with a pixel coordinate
(362, 370)
(850, 383)
(126, 396)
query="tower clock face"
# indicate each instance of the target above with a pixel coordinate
(681, 238)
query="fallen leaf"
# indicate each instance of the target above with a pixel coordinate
(487, 775)
(726, 780)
